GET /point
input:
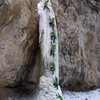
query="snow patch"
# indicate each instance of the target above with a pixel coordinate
(92, 95)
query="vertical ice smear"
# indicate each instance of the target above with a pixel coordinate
(47, 89)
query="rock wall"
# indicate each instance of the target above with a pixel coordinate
(78, 26)
(18, 42)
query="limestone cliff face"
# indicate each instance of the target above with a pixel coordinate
(78, 23)
(18, 41)
(79, 30)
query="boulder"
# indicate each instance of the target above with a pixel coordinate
(18, 42)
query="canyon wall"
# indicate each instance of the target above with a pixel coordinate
(19, 38)
(79, 53)
(78, 25)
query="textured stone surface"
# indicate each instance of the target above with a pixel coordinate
(79, 29)
(79, 42)
(18, 41)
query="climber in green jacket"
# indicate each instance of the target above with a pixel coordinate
(46, 4)
(59, 96)
(51, 21)
(53, 49)
(53, 36)
(53, 67)
(56, 82)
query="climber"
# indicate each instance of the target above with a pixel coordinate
(59, 96)
(53, 36)
(46, 4)
(53, 67)
(51, 22)
(56, 82)
(53, 48)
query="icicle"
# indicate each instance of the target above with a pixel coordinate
(49, 49)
